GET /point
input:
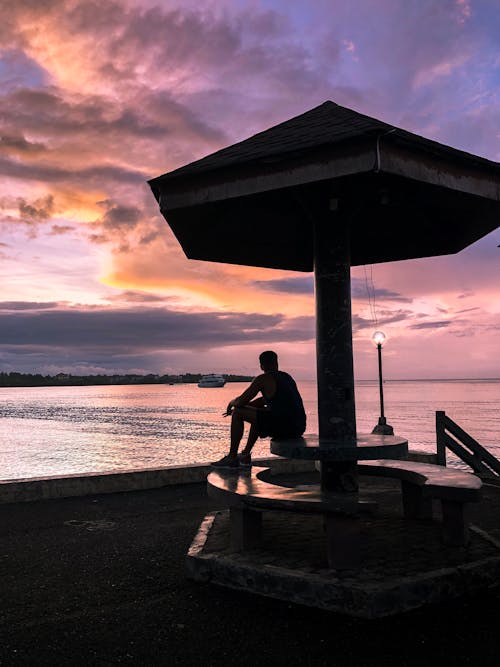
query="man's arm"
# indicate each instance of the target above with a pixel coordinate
(248, 394)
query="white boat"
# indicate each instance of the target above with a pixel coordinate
(212, 380)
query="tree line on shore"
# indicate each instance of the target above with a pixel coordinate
(14, 379)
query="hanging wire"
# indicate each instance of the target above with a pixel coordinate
(370, 291)
(373, 297)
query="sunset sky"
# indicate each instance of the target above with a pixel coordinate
(98, 97)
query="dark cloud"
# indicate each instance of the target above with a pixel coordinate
(98, 238)
(441, 324)
(100, 118)
(146, 329)
(18, 144)
(303, 285)
(360, 290)
(124, 227)
(134, 296)
(93, 175)
(172, 119)
(27, 305)
(386, 317)
(121, 131)
(149, 237)
(119, 217)
(39, 210)
(58, 230)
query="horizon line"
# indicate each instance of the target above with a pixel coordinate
(233, 374)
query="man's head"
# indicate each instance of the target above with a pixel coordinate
(268, 360)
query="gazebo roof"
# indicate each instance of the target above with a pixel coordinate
(405, 196)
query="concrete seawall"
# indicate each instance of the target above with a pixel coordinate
(45, 488)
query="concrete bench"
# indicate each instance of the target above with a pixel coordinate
(421, 483)
(247, 495)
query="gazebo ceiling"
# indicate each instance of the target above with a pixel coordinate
(403, 196)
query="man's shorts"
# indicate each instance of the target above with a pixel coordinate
(271, 425)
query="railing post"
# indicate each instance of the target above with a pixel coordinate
(440, 440)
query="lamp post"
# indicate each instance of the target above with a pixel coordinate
(382, 428)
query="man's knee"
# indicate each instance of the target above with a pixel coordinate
(244, 414)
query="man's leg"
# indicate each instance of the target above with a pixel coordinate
(253, 435)
(238, 419)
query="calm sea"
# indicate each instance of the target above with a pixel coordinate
(67, 430)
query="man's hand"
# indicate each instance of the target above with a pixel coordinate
(229, 410)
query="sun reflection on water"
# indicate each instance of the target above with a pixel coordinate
(70, 430)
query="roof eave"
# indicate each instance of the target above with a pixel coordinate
(469, 176)
(253, 178)
(389, 156)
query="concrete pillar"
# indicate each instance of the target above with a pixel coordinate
(336, 407)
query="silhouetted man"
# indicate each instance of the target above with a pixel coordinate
(278, 413)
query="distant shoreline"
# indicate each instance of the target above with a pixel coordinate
(68, 380)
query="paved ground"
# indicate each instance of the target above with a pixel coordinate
(100, 581)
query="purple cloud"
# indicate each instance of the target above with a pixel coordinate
(441, 324)
(134, 296)
(305, 285)
(144, 329)
(38, 211)
(58, 230)
(302, 285)
(27, 305)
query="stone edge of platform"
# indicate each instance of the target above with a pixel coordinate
(87, 484)
(388, 597)
(45, 488)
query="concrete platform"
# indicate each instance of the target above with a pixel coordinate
(405, 564)
(99, 580)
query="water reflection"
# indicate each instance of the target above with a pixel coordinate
(66, 430)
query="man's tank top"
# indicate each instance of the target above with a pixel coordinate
(286, 401)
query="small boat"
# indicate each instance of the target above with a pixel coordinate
(212, 380)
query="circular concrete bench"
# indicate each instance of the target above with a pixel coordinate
(366, 447)
(247, 494)
(421, 483)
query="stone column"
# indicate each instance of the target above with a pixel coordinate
(336, 407)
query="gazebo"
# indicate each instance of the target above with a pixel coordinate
(324, 191)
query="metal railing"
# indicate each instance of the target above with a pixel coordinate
(450, 436)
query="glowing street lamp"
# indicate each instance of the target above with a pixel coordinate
(382, 428)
